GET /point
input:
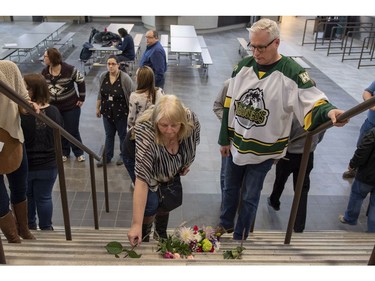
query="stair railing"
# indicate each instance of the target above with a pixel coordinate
(58, 132)
(302, 171)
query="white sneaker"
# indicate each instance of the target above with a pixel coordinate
(81, 158)
(64, 158)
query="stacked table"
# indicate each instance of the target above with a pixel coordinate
(184, 40)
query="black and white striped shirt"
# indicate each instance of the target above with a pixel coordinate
(154, 163)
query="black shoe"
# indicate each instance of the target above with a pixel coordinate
(48, 228)
(100, 163)
(275, 207)
(119, 161)
(33, 226)
(220, 230)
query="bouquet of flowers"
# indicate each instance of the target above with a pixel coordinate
(186, 240)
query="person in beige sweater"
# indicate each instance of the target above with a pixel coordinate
(13, 224)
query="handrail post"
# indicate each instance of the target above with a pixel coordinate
(2, 255)
(63, 194)
(299, 186)
(372, 257)
(105, 176)
(93, 192)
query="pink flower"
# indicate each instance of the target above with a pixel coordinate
(168, 255)
(190, 257)
(176, 256)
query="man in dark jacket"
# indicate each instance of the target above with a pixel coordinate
(364, 182)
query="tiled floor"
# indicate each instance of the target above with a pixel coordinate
(342, 82)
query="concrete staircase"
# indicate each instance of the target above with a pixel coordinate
(262, 248)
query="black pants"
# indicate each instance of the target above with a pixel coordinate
(128, 157)
(283, 169)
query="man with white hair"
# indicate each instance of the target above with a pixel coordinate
(254, 134)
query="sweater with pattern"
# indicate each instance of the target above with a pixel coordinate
(62, 87)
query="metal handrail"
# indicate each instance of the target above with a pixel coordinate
(58, 132)
(305, 156)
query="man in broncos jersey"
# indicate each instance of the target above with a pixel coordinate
(263, 93)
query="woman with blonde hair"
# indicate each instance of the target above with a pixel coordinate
(166, 135)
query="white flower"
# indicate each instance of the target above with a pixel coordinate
(185, 234)
(217, 245)
(197, 237)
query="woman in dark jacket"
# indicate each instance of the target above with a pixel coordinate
(364, 182)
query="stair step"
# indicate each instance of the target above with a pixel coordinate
(262, 248)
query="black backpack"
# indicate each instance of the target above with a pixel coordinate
(86, 53)
(106, 38)
(93, 32)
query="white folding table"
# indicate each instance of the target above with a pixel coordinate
(183, 31)
(114, 27)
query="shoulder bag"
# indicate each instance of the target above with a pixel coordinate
(10, 154)
(170, 194)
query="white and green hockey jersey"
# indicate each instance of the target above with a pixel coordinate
(259, 107)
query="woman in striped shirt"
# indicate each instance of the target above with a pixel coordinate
(167, 135)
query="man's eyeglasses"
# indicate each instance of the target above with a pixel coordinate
(149, 37)
(260, 49)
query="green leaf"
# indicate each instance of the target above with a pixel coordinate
(227, 255)
(114, 248)
(132, 254)
(235, 253)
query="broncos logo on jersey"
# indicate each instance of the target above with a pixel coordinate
(250, 109)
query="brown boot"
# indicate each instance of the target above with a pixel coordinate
(9, 228)
(20, 212)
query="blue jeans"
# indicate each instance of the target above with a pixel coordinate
(251, 178)
(17, 186)
(71, 125)
(152, 203)
(110, 128)
(39, 197)
(366, 126)
(357, 195)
